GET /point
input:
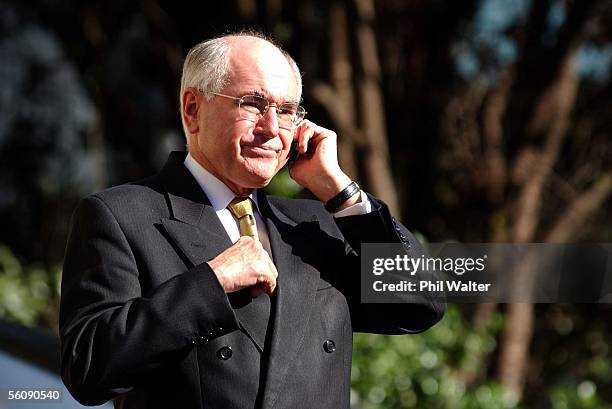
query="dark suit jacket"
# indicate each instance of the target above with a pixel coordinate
(144, 320)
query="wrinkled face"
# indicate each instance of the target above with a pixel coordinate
(245, 154)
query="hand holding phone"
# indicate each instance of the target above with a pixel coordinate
(313, 161)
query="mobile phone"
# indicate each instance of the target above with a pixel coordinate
(293, 152)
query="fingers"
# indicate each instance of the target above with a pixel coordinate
(308, 133)
(305, 133)
(264, 284)
(271, 265)
(264, 273)
(245, 264)
(268, 282)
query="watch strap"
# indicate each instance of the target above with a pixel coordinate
(345, 194)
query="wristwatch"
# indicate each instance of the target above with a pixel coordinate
(345, 194)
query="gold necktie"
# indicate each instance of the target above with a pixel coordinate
(242, 209)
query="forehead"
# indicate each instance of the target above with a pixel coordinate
(258, 66)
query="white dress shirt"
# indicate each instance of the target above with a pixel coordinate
(220, 197)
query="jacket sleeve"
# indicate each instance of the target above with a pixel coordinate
(112, 336)
(415, 313)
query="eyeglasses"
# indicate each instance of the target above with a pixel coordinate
(253, 107)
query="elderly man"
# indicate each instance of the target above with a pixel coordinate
(194, 289)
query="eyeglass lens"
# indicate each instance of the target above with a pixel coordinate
(252, 107)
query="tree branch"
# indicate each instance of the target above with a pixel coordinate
(579, 210)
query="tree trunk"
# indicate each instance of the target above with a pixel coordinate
(518, 330)
(371, 108)
(360, 122)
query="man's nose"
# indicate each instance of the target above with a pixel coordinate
(269, 122)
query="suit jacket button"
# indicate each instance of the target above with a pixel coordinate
(224, 353)
(329, 346)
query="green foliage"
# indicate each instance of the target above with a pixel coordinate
(581, 396)
(26, 292)
(283, 185)
(436, 369)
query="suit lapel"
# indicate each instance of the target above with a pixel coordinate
(198, 235)
(193, 225)
(295, 297)
(197, 245)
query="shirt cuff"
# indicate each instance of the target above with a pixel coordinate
(364, 206)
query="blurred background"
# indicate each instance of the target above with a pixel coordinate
(475, 120)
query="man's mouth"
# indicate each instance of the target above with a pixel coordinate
(260, 151)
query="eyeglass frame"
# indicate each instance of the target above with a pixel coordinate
(274, 104)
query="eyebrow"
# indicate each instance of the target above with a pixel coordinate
(261, 94)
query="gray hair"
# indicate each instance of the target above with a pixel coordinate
(206, 65)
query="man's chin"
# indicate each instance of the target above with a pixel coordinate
(258, 180)
(261, 174)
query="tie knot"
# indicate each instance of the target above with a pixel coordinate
(242, 209)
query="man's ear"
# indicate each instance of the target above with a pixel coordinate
(191, 110)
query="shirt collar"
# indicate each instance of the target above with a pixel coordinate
(217, 192)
